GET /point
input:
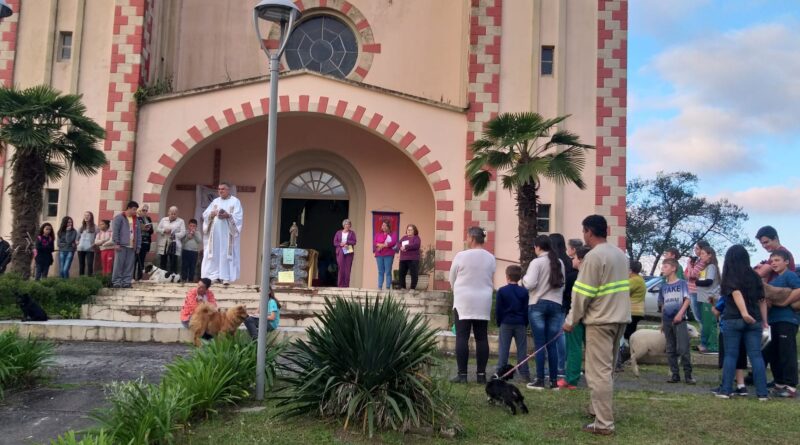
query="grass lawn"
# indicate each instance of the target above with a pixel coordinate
(556, 417)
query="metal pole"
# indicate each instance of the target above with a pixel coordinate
(269, 201)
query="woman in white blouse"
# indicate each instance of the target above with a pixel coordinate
(170, 231)
(472, 281)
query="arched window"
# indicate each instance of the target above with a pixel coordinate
(323, 44)
(315, 184)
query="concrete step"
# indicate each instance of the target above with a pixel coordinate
(299, 317)
(428, 305)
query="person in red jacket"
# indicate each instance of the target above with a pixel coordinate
(200, 294)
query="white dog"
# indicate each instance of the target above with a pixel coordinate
(651, 342)
(157, 275)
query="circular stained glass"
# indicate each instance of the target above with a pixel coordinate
(323, 44)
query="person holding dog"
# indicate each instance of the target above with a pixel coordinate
(171, 230)
(601, 300)
(472, 281)
(196, 296)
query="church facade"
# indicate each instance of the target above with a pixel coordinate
(379, 101)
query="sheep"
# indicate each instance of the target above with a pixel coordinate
(651, 342)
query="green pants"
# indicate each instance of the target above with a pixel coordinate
(575, 342)
(709, 330)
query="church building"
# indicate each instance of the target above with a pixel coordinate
(379, 101)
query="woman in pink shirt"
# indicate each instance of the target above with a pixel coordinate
(196, 296)
(384, 254)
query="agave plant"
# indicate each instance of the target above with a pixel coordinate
(22, 360)
(367, 365)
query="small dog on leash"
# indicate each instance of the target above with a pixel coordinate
(208, 320)
(156, 275)
(31, 311)
(501, 391)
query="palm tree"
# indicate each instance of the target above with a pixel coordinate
(50, 134)
(525, 147)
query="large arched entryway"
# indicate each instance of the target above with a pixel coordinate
(362, 172)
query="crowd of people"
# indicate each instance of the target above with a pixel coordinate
(583, 299)
(121, 245)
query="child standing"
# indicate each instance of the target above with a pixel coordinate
(673, 302)
(191, 245)
(511, 313)
(577, 337)
(43, 253)
(106, 246)
(741, 361)
(781, 353)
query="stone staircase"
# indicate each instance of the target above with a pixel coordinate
(151, 312)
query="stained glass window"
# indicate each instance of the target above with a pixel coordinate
(323, 44)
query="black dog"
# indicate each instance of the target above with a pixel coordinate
(30, 310)
(499, 390)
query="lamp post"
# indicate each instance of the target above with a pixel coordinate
(285, 14)
(5, 10)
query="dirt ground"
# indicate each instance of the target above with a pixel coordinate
(64, 401)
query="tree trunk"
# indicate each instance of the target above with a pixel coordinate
(28, 179)
(528, 225)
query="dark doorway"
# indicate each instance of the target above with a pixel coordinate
(318, 221)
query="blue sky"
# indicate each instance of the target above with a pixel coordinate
(714, 88)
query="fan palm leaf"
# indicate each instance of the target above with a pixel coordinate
(50, 135)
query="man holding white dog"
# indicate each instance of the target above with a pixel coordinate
(222, 228)
(601, 300)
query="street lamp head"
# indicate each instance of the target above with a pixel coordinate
(275, 10)
(5, 10)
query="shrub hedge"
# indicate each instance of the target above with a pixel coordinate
(58, 297)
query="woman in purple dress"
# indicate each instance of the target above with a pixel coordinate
(409, 256)
(343, 242)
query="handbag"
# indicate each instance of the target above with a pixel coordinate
(171, 247)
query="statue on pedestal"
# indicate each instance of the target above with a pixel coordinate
(293, 232)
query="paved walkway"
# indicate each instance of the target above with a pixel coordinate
(81, 369)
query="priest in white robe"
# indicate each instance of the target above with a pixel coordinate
(222, 226)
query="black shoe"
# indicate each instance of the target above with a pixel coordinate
(537, 384)
(481, 378)
(771, 384)
(675, 379)
(554, 386)
(460, 378)
(741, 391)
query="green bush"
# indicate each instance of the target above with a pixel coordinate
(143, 413)
(58, 297)
(68, 438)
(369, 365)
(222, 372)
(22, 360)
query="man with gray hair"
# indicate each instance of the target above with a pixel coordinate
(222, 227)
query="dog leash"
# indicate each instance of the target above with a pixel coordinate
(511, 371)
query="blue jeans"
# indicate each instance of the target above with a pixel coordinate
(385, 270)
(736, 330)
(65, 262)
(519, 333)
(546, 320)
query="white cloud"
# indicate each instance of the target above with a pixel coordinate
(659, 17)
(728, 90)
(769, 200)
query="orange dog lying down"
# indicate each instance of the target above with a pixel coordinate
(206, 319)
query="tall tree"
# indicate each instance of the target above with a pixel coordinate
(526, 147)
(666, 212)
(50, 134)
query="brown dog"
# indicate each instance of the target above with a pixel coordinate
(207, 320)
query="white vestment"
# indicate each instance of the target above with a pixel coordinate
(222, 239)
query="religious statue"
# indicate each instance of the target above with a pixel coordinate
(293, 232)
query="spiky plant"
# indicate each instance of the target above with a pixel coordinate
(368, 365)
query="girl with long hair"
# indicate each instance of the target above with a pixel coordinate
(745, 317)
(559, 244)
(67, 243)
(707, 283)
(545, 283)
(43, 251)
(86, 237)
